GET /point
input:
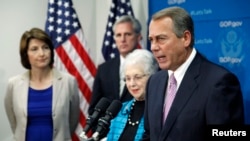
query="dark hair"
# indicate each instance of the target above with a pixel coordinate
(182, 21)
(34, 33)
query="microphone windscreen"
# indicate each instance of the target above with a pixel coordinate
(114, 108)
(103, 104)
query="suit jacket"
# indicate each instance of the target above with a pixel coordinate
(107, 84)
(65, 105)
(207, 95)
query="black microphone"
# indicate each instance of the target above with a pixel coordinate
(100, 107)
(104, 122)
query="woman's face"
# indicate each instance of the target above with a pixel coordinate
(136, 81)
(39, 54)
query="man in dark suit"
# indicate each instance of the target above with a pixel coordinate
(204, 93)
(109, 81)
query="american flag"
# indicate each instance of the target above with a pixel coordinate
(71, 52)
(117, 9)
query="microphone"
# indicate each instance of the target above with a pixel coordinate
(100, 107)
(104, 122)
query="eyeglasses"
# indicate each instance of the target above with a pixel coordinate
(136, 78)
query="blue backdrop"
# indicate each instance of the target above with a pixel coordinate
(222, 34)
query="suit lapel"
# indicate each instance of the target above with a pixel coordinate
(115, 69)
(24, 90)
(57, 87)
(185, 91)
(161, 90)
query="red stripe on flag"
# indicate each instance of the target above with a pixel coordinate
(83, 54)
(72, 70)
(83, 120)
(71, 51)
(139, 46)
(75, 137)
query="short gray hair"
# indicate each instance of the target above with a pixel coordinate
(143, 57)
(127, 18)
(181, 20)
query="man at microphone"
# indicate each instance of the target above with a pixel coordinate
(128, 125)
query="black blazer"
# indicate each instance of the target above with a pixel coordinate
(106, 84)
(208, 94)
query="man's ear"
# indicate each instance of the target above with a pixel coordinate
(187, 37)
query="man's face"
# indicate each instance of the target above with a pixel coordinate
(125, 38)
(169, 50)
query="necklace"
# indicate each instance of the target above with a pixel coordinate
(129, 116)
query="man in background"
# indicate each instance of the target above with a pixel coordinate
(109, 81)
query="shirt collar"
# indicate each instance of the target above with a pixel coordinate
(179, 72)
